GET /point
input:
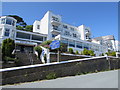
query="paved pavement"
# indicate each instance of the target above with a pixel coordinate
(108, 79)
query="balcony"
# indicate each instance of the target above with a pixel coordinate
(55, 30)
(55, 22)
(87, 33)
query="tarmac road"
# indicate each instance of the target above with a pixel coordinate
(108, 79)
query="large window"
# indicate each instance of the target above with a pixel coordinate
(39, 38)
(86, 45)
(7, 32)
(79, 44)
(23, 35)
(3, 21)
(8, 21)
(72, 44)
(64, 41)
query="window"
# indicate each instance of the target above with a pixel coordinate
(55, 18)
(12, 34)
(79, 45)
(72, 44)
(7, 32)
(38, 26)
(55, 27)
(65, 26)
(71, 28)
(35, 37)
(86, 46)
(67, 33)
(8, 21)
(0, 31)
(3, 21)
(74, 35)
(53, 35)
(23, 35)
(13, 23)
(45, 38)
(64, 41)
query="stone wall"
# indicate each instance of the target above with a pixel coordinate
(0, 54)
(62, 69)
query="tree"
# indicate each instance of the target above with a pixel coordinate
(88, 52)
(20, 21)
(85, 52)
(46, 44)
(20, 27)
(8, 45)
(29, 28)
(38, 49)
(111, 53)
(63, 47)
(77, 52)
(71, 50)
(91, 53)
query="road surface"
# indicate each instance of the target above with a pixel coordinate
(108, 79)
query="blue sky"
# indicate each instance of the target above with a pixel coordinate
(101, 17)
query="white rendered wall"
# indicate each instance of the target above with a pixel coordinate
(35, 24)
(81, 30)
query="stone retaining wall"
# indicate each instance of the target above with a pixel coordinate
(62, 69)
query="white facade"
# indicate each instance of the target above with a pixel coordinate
(77, 38)
(23, 39)
(51, 27)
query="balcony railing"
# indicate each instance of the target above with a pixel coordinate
(55, 22)
(58, 30)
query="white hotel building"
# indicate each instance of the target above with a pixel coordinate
(51, 27)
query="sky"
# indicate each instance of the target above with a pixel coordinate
(101, 17)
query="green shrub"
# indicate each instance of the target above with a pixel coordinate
(11, 59)
(46, 44)
(38, 49)
(91, 52)
(71, 51)
(85, 52)
(76, 52)
(51, 76)
(88, 52)
(8, 45)
(111, 53)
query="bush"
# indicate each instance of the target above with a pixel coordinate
(8, 45)
(76, 52)
(71, 51)
(88, 52)
(51, 76)
(91, 52)
(11, 59)
(38, 49)
(110, 53)
(46, 44)
(85, 52)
